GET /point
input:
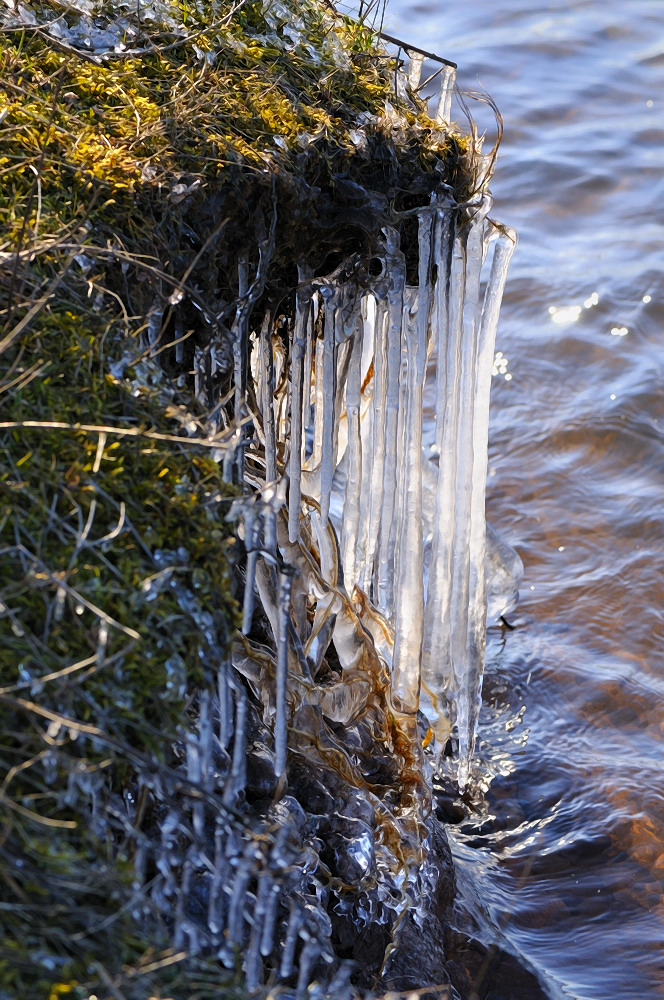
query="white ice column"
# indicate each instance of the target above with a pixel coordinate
(352, 499)
(396, 273)
(299, 385)
(409, 596)
(449, 294)
(469, 693)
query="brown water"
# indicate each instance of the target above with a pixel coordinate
(564, 848)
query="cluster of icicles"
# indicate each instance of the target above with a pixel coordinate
(366, 562)
(341, 433)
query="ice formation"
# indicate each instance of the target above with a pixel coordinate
(350, 423)
(369, 561)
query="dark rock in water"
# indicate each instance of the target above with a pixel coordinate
(393, 953)
(261, 780)
(420, 959)
(479, 972)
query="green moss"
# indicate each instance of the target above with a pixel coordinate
(111, 606)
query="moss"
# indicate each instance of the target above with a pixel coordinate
(84, 518)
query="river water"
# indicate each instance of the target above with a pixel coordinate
(562, 846)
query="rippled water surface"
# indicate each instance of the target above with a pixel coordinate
(565, 848)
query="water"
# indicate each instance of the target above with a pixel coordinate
(565, 847)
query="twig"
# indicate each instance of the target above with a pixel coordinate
(215, 441)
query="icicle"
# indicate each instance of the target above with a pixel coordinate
(311, 952)
(155, 320)
(447, 81)
(253, 965)
(220, 876)
(396, 270)
(194, 776)
(329, 392)
(448, 293)
(237, 776)
(473, 246)
(469, 694)
(225, 705)
(405, 690)
(240, 333)
(351, 519)
(308, 372)
(274, 497)
(318, 405)
(292, 932)
(251, 541)
(267, 936)
(267, 400)
(235, 926)
(181, 924)
(415, 60)
(301, 334)
(445, 664)
(179, 340)
(344, 343)
(199, 373)
(363, 569)
(281, 638)
(376, 464)
(205, 738)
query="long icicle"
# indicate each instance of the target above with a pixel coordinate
(448, 292)
(267, 399)
(329, 392)
(284, 588)
(351, 520)
(473, 246)
(396, 270)
(301, 333)
(469, 697)
(363, 561)
(315, 459)
(409, 597)
(441, 631)
(237, 776)
(377, 448)
(240, 338)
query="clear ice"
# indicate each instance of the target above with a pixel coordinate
(356, 467)
(363, 544)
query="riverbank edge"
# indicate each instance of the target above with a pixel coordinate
(125, 214)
